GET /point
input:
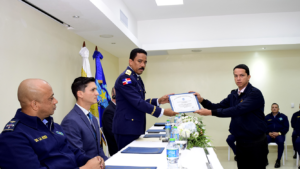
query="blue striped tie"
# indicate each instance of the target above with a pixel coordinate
(91, 120)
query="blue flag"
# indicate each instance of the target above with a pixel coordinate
(103, 97)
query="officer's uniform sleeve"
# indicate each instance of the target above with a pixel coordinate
(213, 106)
(130, 92)
(17, 153)
(252, 102)
(286, 125)
(153, 101)
(294, 120)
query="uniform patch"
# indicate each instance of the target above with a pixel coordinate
(128, 72)
(10, 126)
(60, 133)
(44, 137)
(280, 118)
(270, 120)
(126, 81)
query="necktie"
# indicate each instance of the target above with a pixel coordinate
(92, 125)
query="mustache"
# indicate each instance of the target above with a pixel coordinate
(142, 68)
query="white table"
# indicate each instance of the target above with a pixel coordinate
(191, 159)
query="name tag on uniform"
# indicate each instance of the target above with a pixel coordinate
(270, 120)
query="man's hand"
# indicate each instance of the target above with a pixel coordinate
(200, 99)
(203, 112)
(93, 163)
(275, 134)
(102, 163)
(164, 99)
(271, 135)
(169, 112)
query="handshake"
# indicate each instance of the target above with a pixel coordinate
(186, 102)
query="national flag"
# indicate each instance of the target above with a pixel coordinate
(126, 81)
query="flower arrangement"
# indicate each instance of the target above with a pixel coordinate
(193, 129)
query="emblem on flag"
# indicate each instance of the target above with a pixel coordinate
(126, 81)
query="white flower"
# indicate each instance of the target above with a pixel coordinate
(196, 122)
(203, 127)
(196, 134)
(186, 133)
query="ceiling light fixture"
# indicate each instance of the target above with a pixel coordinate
(75, 16)
(168, 2)
(106, 36)
(196, 50)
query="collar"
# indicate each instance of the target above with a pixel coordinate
(32, 121)
(277, 115)
(113, 102)
(133, 71)
(86, 112)
(242, 91)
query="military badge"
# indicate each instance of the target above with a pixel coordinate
(126, 81)
(280, 118)
(128, 72)
(10, 126)
(60, 133)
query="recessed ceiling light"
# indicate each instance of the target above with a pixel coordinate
(168, 2)
(263, 48)
(106, 36)
(75, 16)
(196, 50)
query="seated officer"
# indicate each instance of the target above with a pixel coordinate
(31, 140)
(295, 121)
(230, 141)
(278, 126)
(107, 121)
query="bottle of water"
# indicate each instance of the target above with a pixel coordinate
(175, 119)
(168, 128)
(172, 154)
(175, 133)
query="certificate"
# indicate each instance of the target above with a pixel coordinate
(184, 102)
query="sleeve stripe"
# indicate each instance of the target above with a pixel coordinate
(150, 101)
(153, 110)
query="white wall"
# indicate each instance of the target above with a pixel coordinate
(220, 31)
(275, 73)
(33, 45)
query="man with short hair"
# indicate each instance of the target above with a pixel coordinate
(107, 121)
(295, 121)
(278, 126)
(31, 140)
(81, 127)
(245, 106)
(130, 116)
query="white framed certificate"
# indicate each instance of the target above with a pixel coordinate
(184, 102)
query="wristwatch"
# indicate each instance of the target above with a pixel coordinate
(279, 133)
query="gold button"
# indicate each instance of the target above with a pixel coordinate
(132, 119)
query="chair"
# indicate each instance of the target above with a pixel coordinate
(285, 147)
(297, 159)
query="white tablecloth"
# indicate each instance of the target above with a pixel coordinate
(190, 159)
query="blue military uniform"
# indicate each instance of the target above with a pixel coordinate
(130, 117)
(230, 141)
(279, 123)
(295, 122)
(247, 125)
(27, 143)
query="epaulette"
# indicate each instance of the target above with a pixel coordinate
(128, 72)
(10, 126)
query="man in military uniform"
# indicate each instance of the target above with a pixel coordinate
(31, 140)
(295, 122)
(245, 106)
(130, 116)
(278, 126)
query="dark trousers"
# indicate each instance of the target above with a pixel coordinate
(279, 140)
(124, 140)
(297, 145)
(230, 141)
(252, 154)
(294, 137)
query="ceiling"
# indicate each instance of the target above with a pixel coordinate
(148, 10)
(93, 22)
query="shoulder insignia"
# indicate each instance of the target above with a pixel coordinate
(298, 116)
(126, 81)
(10, 126)
(128, 72)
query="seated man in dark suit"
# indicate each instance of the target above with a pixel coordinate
(278, 126)
(107, 120)
(295, 121)
(230, 141)
(81, 127)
